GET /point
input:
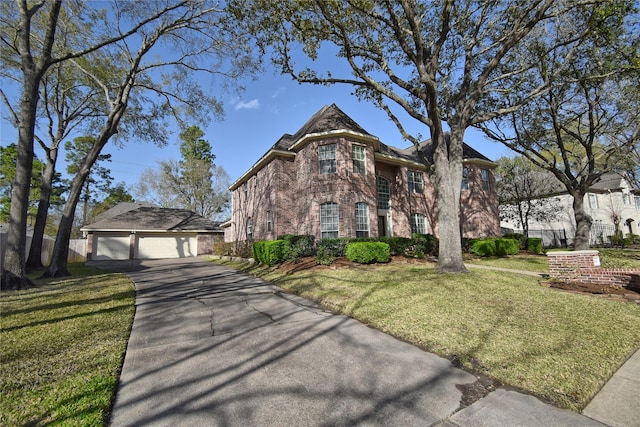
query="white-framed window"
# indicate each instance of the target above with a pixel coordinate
(269, 221)
(416, 184)
(327, 158)
(245, 187)
(593, 201)
(626, 199)
(359, 156)
(362, 220)
(250, 228)
(384, 192)
(637, 202)
(465, 179)
(485, 179)
(329, 221)
(418, 223)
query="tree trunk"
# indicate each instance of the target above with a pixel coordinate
(58, 265)
(448, 176)
(14, 272)
(583, 223)
(34, 261)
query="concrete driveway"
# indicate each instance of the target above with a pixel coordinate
(213, 347)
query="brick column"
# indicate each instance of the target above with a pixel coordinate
(566, 264)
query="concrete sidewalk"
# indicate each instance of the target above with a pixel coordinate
(211, 346)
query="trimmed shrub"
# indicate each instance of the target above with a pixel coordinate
(483, 247)
(368, 252)
(333, 247)
(323, 257)
(518, 236)
(494, 246)
(424, 244)
(534, 245)
(298, 245)
(507, 246)
(397, 245)
(268, 252)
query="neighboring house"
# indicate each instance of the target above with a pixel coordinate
(136, 231)
(611, 202)
(334, 179)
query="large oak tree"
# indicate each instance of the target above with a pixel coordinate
(588, 123)
(438, 62)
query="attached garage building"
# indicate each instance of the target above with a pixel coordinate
(147, 232)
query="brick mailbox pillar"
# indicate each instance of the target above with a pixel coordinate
(584, 266)
(566, 264)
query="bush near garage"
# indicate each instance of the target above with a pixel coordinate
(269, 252)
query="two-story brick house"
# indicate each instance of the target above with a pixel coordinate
(334, 179)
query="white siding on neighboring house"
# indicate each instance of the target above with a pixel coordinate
(602, 204)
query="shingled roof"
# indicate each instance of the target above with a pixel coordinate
(148, 218)
(327, 119)
(332, 119)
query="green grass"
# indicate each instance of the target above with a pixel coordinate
(619, 258)
(62, 345)
(559, 346)
(535, 263)
(609, 258)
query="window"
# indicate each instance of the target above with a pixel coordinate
(245, 187)
(593, 201)
(359, 158)
(269, 221)
(465, 179)
(485, 179)
(384, 193)
(626, 199)
(327, 158)
(416, 185)
(249, 229)
(329, 220)
(637, 201)
(418, 224)
(362, 220)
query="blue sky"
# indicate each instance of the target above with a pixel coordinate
(269, 107)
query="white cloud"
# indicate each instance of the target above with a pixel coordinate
(254, 104)
(278, 92)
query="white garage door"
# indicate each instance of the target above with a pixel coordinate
(163, 245)
(111, 246)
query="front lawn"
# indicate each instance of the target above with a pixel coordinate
(559, 346)
(61, 348)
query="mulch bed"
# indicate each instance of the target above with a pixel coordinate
(613, 291)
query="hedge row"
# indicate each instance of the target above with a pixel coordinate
(291, 247)
(367, 250)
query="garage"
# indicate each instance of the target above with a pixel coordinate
(112, 245)
(141, 231)
(166, 245)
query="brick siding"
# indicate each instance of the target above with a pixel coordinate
(292, 189)
(584, 266)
